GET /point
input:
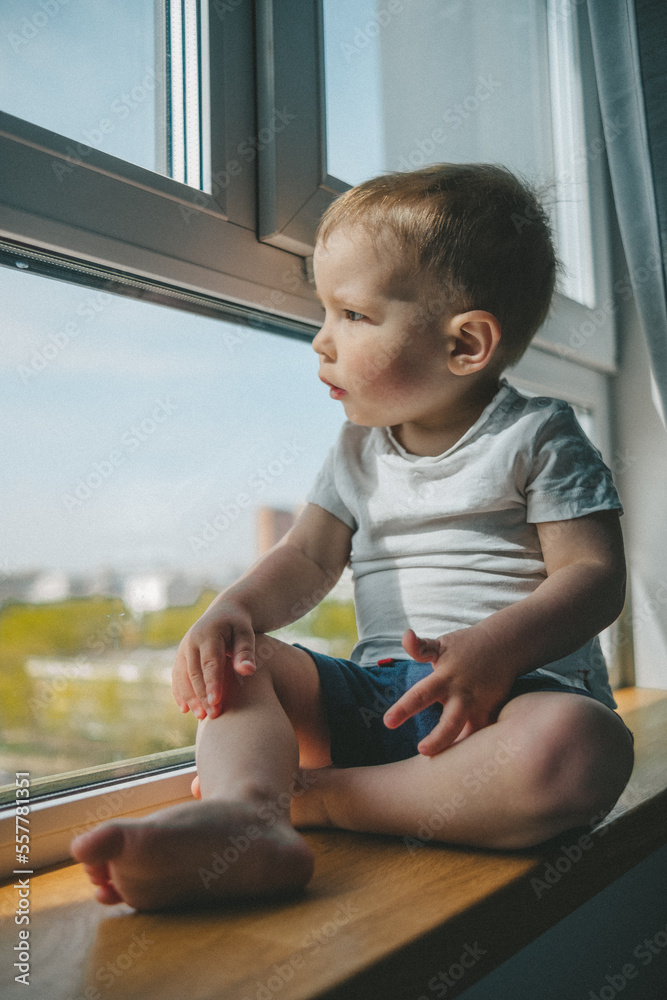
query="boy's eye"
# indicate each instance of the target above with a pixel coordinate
(354, 317)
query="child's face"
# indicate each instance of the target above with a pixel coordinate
(382, 351)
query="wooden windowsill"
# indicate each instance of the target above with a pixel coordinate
(377, 921)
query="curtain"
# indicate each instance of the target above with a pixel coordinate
(630, 53)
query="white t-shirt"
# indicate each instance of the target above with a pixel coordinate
(442, 542)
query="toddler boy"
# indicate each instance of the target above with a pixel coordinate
(483, 533)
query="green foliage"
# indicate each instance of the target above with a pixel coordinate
(85, 624)
(331, 620)
(70, 716)
(335, 621)
(167, 627)
(89, 625)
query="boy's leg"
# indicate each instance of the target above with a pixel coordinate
(552, 761)
(239, 840)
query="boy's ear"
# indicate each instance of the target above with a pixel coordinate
(474, 337)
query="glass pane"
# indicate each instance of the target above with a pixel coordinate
(151, 455)
(433, 81)
(355, 122)
(96, 72)
(86, 69)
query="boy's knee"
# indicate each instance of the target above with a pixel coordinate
(578, 762)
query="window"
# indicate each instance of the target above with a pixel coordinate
(83, 197)
(155, 230)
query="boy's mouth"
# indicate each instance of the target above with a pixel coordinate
(334, 390)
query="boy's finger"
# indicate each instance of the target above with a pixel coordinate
(244, 654)
(423, 650)
(197, 709)
(182, 688)
(420, 696)
(194, 674)
(451, 724)
(188, 700)
(212, 657)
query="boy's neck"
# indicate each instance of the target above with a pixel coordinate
(431, 439)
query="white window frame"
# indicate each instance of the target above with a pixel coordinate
(215, 248)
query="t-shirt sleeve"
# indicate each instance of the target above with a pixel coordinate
(324, 491)
(568, 477)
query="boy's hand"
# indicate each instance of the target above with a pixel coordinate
(220, 645)
(463, 680)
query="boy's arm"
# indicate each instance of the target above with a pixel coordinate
(474, 668)
(289, 580)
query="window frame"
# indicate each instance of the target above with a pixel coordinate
(294, 185)
(262, 61)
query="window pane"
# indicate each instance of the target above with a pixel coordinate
(152, 452)
(448, 82)
(85, 69)
(126, 78)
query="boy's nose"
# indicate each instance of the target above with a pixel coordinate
(322, 342)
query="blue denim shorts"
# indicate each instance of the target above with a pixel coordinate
(356, 698)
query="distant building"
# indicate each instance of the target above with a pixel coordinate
(155, 591)
(48, 587)
(17, 586)
(150, 590)
(104, 582)
(145, 592)
(271, 524)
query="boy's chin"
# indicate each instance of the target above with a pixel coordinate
(355, 416)
(362, 421)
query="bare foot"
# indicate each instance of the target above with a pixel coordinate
(196, 854)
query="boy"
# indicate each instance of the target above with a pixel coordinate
(483, 533)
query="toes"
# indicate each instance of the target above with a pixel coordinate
(107, 894)
(98, 846)
(98, 874)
